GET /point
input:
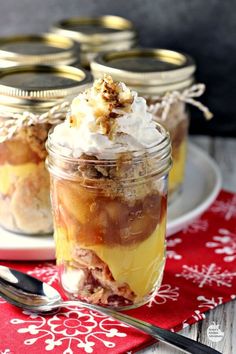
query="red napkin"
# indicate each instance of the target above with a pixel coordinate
(200, 274)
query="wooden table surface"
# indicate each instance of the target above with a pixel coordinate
(223, 150)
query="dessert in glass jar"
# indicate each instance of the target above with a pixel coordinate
(165, 79)
(109, 164)
(32, 100)
(97, 34)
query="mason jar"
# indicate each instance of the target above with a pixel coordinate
(98, 34)
(160, 76)
(45, 48)
(110, 223)
(32, 100)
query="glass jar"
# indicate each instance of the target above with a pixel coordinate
(98, 34)
(176, 122)
(32, 100)
(110, 223)
(45, 48)
(160, 76)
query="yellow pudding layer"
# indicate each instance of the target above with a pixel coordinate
(176, 174)
(63, 245)
(9, 174)
(138, 265)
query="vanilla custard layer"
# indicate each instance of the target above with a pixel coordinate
(9, 174)
(138, 265)
(176, 174)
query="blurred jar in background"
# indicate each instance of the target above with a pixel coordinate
(46, 48)
(165, 78)
(98, 34)
(32, 100)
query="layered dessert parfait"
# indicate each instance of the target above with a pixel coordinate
(24, 182)
(109, 164)
(176, 122)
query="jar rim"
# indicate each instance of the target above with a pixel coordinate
(147, 70)
(120, 29)
(60, 81)
(12, 49)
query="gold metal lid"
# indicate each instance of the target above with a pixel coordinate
(148, 71)
(96, 30)
(40, 87)
(45, 48)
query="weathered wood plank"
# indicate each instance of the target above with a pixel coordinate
(224, 153)
(224, 317)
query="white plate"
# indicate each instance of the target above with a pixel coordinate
(201, 186)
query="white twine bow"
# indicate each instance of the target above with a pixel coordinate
(13, 122)
(187, 96)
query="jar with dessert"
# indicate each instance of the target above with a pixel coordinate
(165, 78)
(98, 34)
(32, 100)
(109, 164)
(45, 48)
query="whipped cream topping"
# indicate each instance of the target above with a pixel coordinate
(106, 120)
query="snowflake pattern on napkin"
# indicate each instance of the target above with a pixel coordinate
(72, 328)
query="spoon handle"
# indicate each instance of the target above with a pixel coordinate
(176, 340)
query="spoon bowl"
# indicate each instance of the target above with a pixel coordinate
(29, 293)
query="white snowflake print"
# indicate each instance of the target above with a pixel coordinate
(5, 351)
(2, 301)
(196, 226)
(233, 296)
(224, 243)
(46, 272)
(171, 254)
(185, 324)
(209, 303)
(197, 315)
(207, 275)
(74, 329)
(225, 208)
(163, 294)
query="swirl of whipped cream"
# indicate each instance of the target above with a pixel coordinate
(106, 120)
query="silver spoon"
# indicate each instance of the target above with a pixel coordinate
(29, 293)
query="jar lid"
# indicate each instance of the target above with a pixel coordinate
(147, 70)
(96, 30)
(46, 48)
(40, 87)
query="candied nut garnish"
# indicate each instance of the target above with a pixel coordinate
(107, 100)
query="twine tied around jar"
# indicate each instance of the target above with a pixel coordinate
(13, 122)
(187, 96)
